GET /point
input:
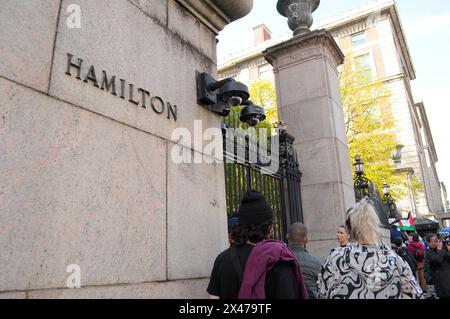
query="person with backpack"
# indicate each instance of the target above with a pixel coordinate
(404, 253)
(417, 249)
(255, 267)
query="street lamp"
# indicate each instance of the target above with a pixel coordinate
(361, 183)
(358, 166)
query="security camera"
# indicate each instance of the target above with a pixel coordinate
(252, 114)
(221, 108)
(221, 95)
(234, 101)
(234, 93)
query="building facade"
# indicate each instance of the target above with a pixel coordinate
(374, 36)
(445, 198)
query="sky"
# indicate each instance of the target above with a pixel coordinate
(426, 24)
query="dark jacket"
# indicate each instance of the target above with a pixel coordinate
(310, 267)
(264, 256)
(408, 257)
(439, 261)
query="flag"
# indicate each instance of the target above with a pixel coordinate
(408, 224)
(411, 220)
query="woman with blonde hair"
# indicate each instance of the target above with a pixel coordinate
(366, 269)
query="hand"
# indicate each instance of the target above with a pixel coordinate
(448, 247)
(440, 245)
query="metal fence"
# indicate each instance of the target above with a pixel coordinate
(281, 188)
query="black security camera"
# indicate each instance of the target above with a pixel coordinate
(220, 96)
(234, 93)
(252, 114)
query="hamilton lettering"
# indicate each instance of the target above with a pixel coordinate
(135, 95)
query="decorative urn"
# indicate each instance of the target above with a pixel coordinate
(299, 14)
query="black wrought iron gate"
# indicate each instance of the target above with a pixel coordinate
(281, 187)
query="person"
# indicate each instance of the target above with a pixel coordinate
(395, 233)
(343, 236)
(366, 269)
(439, 259)
(232, 222)
(255, 267)
(297, 237)
(405, 254)
(417, 249)
(427, 267)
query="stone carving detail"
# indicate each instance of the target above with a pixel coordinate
(299, 14)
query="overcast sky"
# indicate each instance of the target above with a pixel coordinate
(427, 27)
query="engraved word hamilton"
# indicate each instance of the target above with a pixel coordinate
(125, 90)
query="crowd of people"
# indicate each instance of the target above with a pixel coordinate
(360, 267)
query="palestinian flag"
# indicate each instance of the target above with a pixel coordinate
(407, 224)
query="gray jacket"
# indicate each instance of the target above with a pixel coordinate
(310, 266)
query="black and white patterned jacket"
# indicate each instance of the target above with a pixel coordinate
(366, 272)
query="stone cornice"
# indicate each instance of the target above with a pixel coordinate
(216, 14)
(303, 41)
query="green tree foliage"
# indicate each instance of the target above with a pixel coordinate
(370, 127)
(263, 93)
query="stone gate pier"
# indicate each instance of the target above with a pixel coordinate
(309, 101)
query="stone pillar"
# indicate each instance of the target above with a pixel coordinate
(309, 101)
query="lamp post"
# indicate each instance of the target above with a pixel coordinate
(361, 183)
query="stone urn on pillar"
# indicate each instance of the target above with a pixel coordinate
(299, 14)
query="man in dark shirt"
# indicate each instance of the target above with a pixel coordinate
(438, 257)
(255, 225)
(298, 238)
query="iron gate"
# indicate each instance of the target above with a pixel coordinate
(281, 188)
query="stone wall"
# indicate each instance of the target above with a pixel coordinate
(86, 176)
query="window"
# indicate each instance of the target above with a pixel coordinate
(363, 66)
(358, 39)
(265, 71)
(244, 76)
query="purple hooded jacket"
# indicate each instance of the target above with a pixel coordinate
(263, 257)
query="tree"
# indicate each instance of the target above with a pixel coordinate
(263, 93)
(370, 127)
(362, 100)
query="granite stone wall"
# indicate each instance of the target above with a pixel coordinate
(86, 176)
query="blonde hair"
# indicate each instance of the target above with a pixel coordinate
(364, 223)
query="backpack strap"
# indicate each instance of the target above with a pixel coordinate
(237, 264)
